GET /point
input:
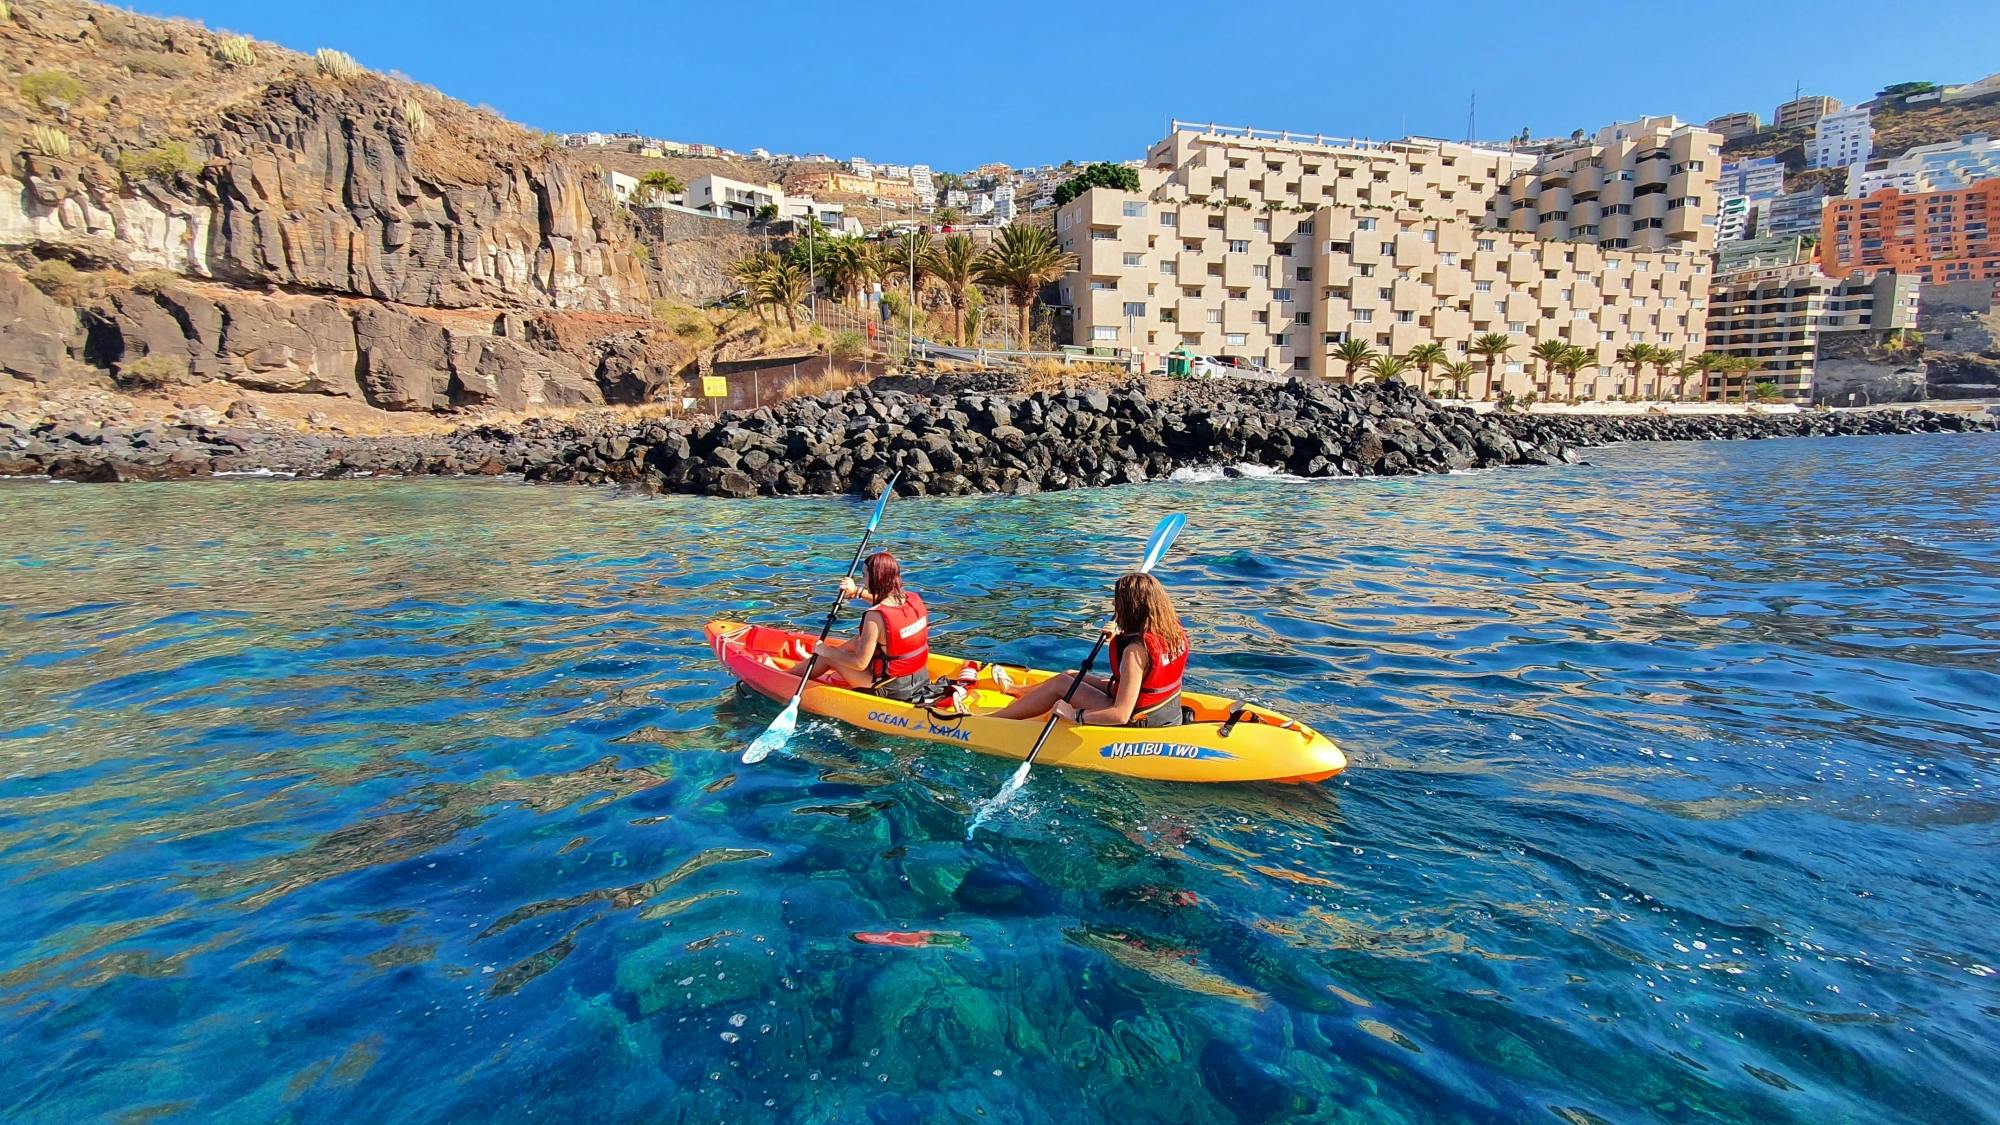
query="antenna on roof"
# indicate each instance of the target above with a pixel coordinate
(1471, 109)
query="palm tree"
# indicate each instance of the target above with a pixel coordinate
(1664, 360)
(1701, 365)
(947, 217)
(1021, 260)
(897, 256)
(1458, 373)
(848, 265)
(784, 285)
(1387, 367)
(749, 272)
(1740, 368)
(1491, 347)
(1425, 356)
(1571, 363)
(955, 264)
(1549, 353)
(1636, 356)
(1354, 353)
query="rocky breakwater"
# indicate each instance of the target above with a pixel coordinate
(941, 444)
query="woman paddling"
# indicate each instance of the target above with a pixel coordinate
(1148, 657)
(890, 653)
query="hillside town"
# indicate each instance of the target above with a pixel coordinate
(1787, 260)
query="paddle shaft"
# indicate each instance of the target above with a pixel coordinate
(1080, 674)
(805, 676)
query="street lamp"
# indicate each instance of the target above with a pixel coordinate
(812, 272)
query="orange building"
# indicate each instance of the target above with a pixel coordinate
(1932, 235)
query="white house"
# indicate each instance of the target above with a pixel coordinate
(622, 187)
(1938, 167)
(733, 199)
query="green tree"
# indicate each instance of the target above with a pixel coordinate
(750, 272)
(768, 213)
(1665, 361)
(1549, 353)
(1491, 347)
(1425, 356)
(947, 217)
(1905, 89)
(1766, 391)
(1635, 356)
(1355, 353)
(1571, 363)
(1459, 374)
(784, 285)
(898, 257)
(954, 262)
(656, 184)
(1387, 367)
(1100, 175)
(1701, 365)
(1021, 260)
(848, 264)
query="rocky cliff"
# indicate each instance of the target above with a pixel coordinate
(240, 212)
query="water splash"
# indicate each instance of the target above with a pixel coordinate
(775, 736)
(984, 810)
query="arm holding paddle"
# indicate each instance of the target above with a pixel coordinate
(1117, 708)
(780, 731)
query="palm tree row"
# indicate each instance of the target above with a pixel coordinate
(1556, 357)
(1019, 262)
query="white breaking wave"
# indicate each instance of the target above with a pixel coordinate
(1201, 474)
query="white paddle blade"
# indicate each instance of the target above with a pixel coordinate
(1163, 538)
(775, 736)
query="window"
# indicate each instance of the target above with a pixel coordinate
(1239, 246)
(1385, 293)
(1364, 224)
(1191, 246)
(1365, 269)
(1135, 210)
(1303, 273)
(1262, 316)
(1099, 286)
(1215, 222)
(1135, 308)
(1611, 263)
(1104, 332)
(1233, 339)
(1239, 294)
(1135, 259)
(1262, 226)
(1167, 218)
(1364, 315)
(1516, 326)
(1448, 258)
(1262, 273)
(1281, 294)
(1168, 269)
(1281, 339)
(1483, 286)
(1404, 316)
(1302, 318)
(1104, 236)
(1283, 249)
(1430, 236)
(1215, 316)
(1487, 244)
(1512, 368)
(1388, 249)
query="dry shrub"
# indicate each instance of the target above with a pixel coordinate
(63, 282)
(49, 141)
(337, 65)
(237, 50)
(832, 380)
(51, 89)
(153, 281)
(162, 161)
(151, 372)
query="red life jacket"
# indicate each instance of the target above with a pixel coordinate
(1164, 669)
(905, 646)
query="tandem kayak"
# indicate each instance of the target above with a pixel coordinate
(1259, 745)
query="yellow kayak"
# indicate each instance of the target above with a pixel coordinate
(1226, 741)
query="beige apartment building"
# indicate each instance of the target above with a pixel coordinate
(1805, 112)
(1784, 316)
(1276, 247)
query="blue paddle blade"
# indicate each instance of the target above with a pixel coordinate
(776, 735)
(1163, 537)
(888, 490)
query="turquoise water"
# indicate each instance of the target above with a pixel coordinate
(1673, 799)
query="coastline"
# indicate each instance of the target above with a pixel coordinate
(943, 440)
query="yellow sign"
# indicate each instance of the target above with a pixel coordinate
(714, 386)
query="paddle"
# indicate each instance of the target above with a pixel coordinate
(1156, 549)
(780, 731)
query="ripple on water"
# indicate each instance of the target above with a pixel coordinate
(1672, 800)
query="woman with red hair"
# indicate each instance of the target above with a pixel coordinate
(890, 653)
(1149, 653)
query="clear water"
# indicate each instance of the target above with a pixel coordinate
(1673, 799)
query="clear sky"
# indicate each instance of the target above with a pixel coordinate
(953, 85)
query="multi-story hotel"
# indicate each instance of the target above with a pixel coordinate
(1795, 212)
(1841, 140)
(1936, 236)
(1948, 164)
(1734, 125)
(1803, 113)
(1275, 247)
(1781, 316)
(1756, 254)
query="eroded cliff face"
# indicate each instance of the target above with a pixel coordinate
(331, 235)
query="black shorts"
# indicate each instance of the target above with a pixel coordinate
(1167, 714)
(906, 689)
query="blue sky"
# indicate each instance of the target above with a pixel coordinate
(1029, 83)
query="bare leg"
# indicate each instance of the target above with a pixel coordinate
(1039, 699)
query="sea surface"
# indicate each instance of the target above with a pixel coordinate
(1673, 798)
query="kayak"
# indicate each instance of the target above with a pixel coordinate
(1226, 741)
